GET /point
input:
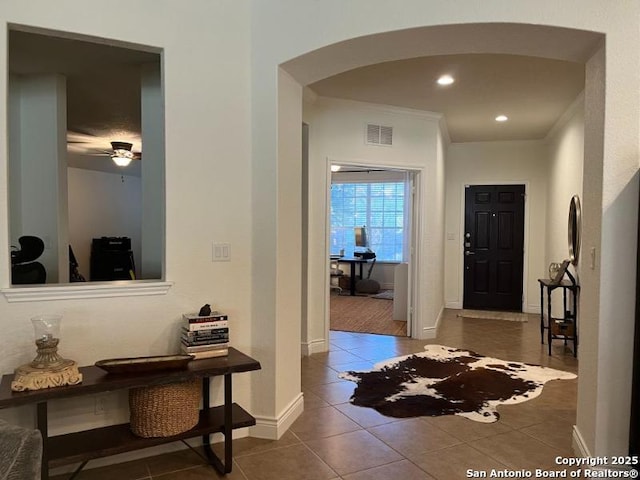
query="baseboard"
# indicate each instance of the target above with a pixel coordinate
(314, 346)
(272, 428)
(526, 309)
(432, 332)
(532, 309)
(386, 286)
(579, 446)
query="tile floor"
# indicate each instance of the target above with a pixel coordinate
(335, 440)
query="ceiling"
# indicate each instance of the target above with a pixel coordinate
(533, 92)
(103, 92)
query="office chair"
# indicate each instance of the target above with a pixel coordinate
(24, 269)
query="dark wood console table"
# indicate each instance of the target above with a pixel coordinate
(565, 327)
(101, 442)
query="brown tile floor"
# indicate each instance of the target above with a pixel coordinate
(336, 440)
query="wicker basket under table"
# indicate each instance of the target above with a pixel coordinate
(165, 410)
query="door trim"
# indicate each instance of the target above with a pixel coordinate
(525, 252)
(414, 327)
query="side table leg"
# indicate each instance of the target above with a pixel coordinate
(41, 415)
(541, 313)
(227, 429)
(549, 319)
(352, 283)
(228, 424)
(206, 401)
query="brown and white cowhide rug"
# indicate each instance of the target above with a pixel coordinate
(445, 381)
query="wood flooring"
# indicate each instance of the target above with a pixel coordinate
(364, 314)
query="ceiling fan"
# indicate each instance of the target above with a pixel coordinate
(121, 152)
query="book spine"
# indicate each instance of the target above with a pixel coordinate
(209, 354)
(194, 327)
(204, 348)
(204, 333)
(209, 318)
(210, 341)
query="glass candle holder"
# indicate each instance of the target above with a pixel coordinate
(47, 333)
(48, 369)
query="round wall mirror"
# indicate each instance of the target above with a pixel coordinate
(575, 227)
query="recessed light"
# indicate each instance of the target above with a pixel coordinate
(445, 80)
(502, 118)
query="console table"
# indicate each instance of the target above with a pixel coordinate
(565, 327)
(101, 442)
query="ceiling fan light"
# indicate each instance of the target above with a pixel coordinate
(121, 161)
(122, 157)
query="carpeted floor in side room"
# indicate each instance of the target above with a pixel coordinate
(364, 314)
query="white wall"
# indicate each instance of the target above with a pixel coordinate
(38, 174)
(103, 205)
(153, 179)
(497, 163)
(337, 130)
(566, 159)
(208, 145)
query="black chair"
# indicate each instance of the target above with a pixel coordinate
(24, 269)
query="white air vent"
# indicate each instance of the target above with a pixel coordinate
(379, 135)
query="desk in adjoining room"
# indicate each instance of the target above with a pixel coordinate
(352, 261)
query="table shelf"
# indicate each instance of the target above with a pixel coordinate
(115, 439)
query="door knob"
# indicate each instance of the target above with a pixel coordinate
(467, 253)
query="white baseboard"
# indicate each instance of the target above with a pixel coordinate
(272, 428)
(526, 309)
(429, 332)
(432, 332)
(579, 446)
(314, 346)
(532, 308)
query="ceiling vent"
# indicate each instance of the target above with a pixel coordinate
(379, 135)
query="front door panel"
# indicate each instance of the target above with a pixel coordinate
(493, 247)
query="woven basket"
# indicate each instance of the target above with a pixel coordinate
(164, 410)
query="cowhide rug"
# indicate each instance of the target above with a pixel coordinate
(445, 381)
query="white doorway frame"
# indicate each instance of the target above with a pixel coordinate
(415, 215)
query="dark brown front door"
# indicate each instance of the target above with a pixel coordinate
(493, 247)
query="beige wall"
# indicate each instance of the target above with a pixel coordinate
(566, 159)
(497, 163)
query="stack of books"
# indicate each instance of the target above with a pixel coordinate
(205, 337)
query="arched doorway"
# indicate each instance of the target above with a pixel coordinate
(516, 38)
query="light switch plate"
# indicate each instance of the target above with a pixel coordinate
(221, 252)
